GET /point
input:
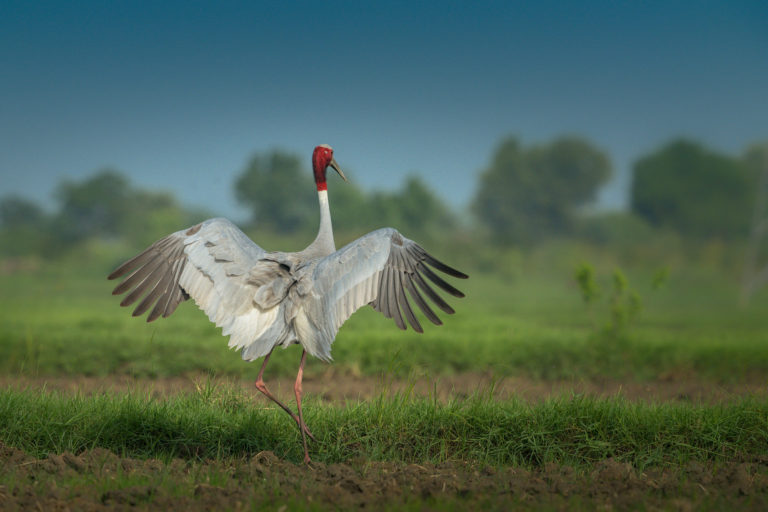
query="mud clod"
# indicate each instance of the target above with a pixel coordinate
(131, 496)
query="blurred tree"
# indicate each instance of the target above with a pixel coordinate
(97, 206)
(614, 228)
(529, 193)
(351, 209)
(152, 215)
(693, 190)
(107, 205)
(277, 191)
(414, 210)
(420, 211)
(102, 205)
(23, 227)
(17, 211)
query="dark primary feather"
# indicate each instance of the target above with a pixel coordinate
(154, 275)
(419, 300)
(407, 307)
(406, 269)
(439, 265)
(432, 294)
(439, 282)
(137, 276)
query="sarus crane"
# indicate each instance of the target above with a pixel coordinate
(263, 299)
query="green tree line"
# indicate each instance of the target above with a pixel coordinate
(526, 193)
(105, 205)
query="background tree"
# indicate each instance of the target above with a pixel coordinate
(529, 193)
(16, 211)
(278, 191)
(154, 214)
(351, 210)
(694, 191)
(614, 228)
(413, 209)
(106, 205)
(97, 206)
(23, 227)
(418, 212)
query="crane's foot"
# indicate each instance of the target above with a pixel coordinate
(307, 460)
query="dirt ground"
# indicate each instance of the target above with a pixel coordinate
(100, 480)
(333, 387)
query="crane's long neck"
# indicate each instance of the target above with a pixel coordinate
(324, 241)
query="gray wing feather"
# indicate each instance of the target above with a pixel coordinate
(376, 269)
(210, 262)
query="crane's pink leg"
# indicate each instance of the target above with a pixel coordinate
(297, 390)
(263, 388)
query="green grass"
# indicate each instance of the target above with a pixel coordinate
(220, 423)
(63, 321)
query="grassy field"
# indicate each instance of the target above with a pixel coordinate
(55, 322)
(216, 423)
(217, 447)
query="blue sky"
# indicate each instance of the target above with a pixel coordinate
(179, 95)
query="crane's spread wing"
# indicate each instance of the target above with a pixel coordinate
(376, 269)
(213, 263)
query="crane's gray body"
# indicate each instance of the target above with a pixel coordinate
(264, 299)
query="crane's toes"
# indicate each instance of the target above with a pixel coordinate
(307, 460)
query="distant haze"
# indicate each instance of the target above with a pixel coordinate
(179, 95)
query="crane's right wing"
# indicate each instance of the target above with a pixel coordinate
(375, 269)
(210, 262)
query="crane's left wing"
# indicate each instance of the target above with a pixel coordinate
(219, 267)
(376, 269)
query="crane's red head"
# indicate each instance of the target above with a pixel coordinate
(322, 157)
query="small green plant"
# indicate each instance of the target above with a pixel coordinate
(590, 291)
(585, 276)
(660, 278)
(624, 303)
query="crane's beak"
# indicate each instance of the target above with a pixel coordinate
(336, 168)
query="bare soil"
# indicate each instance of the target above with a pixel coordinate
(333, 387)
(100, 480)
